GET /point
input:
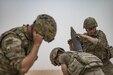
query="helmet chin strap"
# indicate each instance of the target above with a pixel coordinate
(30, 30)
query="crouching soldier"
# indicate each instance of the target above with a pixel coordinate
(76, 63)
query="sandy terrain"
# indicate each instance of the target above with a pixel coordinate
(47, 72)
(44, 72)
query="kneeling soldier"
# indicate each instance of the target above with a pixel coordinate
(76, 63)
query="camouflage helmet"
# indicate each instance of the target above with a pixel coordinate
(89, 22)
(45, 25)
(54, 54)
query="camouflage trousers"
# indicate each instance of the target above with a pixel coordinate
(107, 68)
(94, 71)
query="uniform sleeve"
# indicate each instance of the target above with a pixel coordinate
(102, 41)
(11, 46)
(64, 59)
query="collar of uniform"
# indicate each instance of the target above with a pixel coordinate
(25, 30)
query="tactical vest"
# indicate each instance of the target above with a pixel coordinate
(100, 52)
(81, 61)
(27, 44)
(20, 32)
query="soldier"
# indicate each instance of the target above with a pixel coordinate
(76, 63)
(19, 46)
(95, 42)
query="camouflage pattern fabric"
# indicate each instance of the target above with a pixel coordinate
(107, 68)
(90, 22)
(78, 62)
(99, 50)
(46, 26)
(94, 71)
(14, 47)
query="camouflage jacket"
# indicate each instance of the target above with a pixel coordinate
(77, 62)
(98, 49)
(15, 44)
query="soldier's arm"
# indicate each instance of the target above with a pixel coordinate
(70, 45)
(102, 40)
(64, 69)
(31, 57)
(63, 59)
(11, 46)
(91, 39)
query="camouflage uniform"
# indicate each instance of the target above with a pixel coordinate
(66, 58)
(96, 49)
(99, 50)
(15, 45)
(77, 63)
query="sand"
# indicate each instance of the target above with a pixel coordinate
(44, 72)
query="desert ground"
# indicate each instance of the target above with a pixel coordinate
(47, 72)
(44, 72)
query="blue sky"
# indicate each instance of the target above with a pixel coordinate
(67, 13)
